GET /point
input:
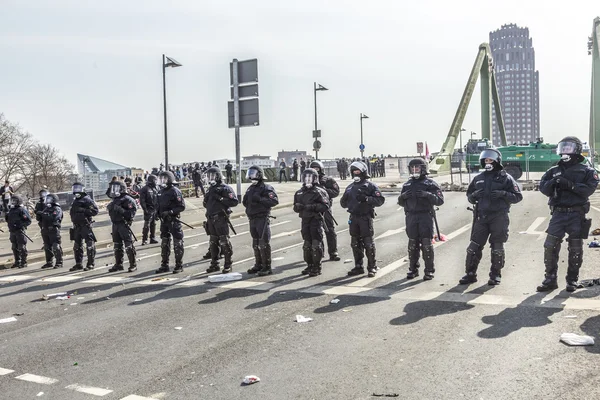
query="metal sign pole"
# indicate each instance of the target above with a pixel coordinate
(236, 122)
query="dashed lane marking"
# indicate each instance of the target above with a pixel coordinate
(136, 397)
(89, 390)
(4, 371)
(37, 379)
(282, 234)
(14, 278)
(534, 225)
(391, 232)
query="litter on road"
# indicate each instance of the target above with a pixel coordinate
(234, 276)
(48, 296)
(250, 379)
(18, 314)
(301, 318)
(385, 395)
(178, 328)
(5, 320)
(62, 297)
(335, 301)
(573, 339)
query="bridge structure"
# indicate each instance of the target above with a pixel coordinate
(594, 139)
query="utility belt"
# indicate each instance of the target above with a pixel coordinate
(370, 214)
(584, 209)
(260, 216)
(222, 213)
(418, 212)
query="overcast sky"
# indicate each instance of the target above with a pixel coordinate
(86, 76)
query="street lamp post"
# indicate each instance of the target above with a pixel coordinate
(462, 154)
(316, 133)
(468, 167)
(166, 62)
(362, 143)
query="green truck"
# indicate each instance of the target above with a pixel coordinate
(535, 157)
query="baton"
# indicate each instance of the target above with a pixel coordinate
(24, 234)
(130, 231)
(231, 226)
(332, 217)
(437, 228)
(181, 222)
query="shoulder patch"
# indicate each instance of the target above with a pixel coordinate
(271, 195)
(377, 193)
(178, 198)
(595, 175)
(230, 195)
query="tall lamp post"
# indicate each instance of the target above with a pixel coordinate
(469, 168)
(362, 143)
(167, 62)
(316, 133)
(462, 154)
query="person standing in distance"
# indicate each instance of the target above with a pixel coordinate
(51, 221)
(149, 203)
(229, 172)
(39, 208)
(360, 199)
(418, 197)
(333, 190)
(82, 211)
(18, 220)
(121, 211)
(493, 192)
(170, 206)
(258, 200)
(568, 186)
(282, 170)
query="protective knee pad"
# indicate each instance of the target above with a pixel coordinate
(119, 253)
(497, 256)
(214, 247)
(178, 250)
(473, 257)
(265, 253)
(57, 251)
(77, 252)
(357, 249)
(551, 252)
(131, 253)
(307, 252)
(427, 248)
(370, 251)
(225, 246)
(575, 258)
(317, 252)
(91, 253)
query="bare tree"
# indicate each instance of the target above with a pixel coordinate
(15, 144)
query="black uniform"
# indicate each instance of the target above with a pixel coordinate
(568, 186)
(302, 166)
(294, 171)
(258, 200)
(18, 220)
(122, 211)
(360, 199)
(229, 172)
(197, 178)
(418, 197)
(149, 203)
(170, 206)
(52, 216)
(493, 192)
(282, 171)
(217, 201)
(82, 211)
(333, 191)
(39, 207)
(310, 204)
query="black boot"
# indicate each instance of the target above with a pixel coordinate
(317, 257)
(370, 253)
(551, 252)
(257, 258)
(265, 254)
(357, 270)
(427, 248)
(307, 256)
(227, 251)
(163, 269)
(413, 259)
(332, 242)
(575, 261)
(131, 254)
(91, 256)
(497, 264)
(178, 249)
(474, 253)
(76, 267)
(119, 254)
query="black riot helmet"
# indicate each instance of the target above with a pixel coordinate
(359, 171)
(78, 190)
(417, 168)
(196, 165)
(151, 181)
(16, 200)
(493, 155)
(317, 166)
(43, 193)
(309, 177)
(166, 178)
(570, 147)
(117, 189)
(51, 200)
(214, 176)
(255, 174)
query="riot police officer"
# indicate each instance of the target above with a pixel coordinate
(418, 197)
(18, 220)
(229, 172)
(121, 211)
(360, 199)
(258, 200)
(333, 190)
(82, 211)
(149, 203)
(492, 192)
(310, 202)
(568, 186)
(52, 216)
(170, 206)
(218, 202)
(39, 207)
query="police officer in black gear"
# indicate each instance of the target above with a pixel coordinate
(82, 211)
(311, 202)
(333, 190)
(197, 178)
(568, 186)
(52, 216)
(18, 220)
(492, 191)
(360, 199)
(170, 206)
(258, 200)
(229, 172)
(418, 197)
(218, 202)
(39, 208)
(149, 203)
(122, 210)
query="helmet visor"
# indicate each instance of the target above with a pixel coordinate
(14, 201)
(43, 194)
(566, 148)
(212, 176)
(308, 180)
(48, 200)
(252, 174)
(415, 169)
(115, 191)
(489, 154)
(77, 188)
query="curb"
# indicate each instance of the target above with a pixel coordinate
(195, 224)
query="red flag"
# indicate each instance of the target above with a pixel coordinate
(426, 151)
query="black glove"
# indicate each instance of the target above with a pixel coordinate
(256, 198)
(310, 207)
(110, 206)
(476, 195)
(406, 194)
(422, 193)
(166, 214)
(118, 209)
(498, 194)
(564, 184)
(299, 206)
(361, 198)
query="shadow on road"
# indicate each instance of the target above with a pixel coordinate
(526, 314)
(591, 327)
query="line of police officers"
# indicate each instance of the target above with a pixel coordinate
(568, 186)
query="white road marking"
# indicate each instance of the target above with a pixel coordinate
(4, 371)
(391, 232)
(596, 208)
(242, 285)
(136, 397)
(532, 228)
(277, 258)
(282, 234)
(108, 279)
(13, 278)
(345, 290)
(66, 278)
(37, 379)
(89, 390)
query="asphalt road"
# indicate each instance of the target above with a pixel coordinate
(116, 336)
